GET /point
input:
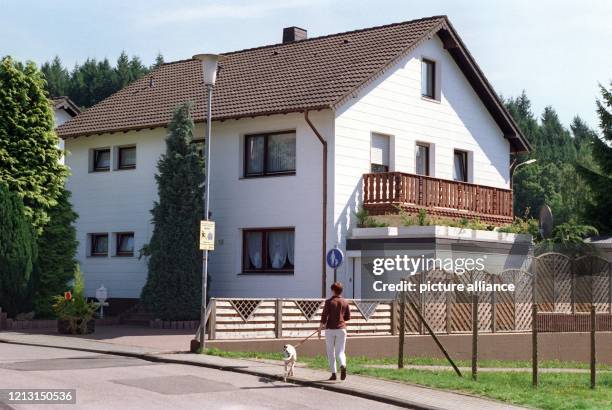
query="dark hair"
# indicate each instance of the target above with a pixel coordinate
(337, 287)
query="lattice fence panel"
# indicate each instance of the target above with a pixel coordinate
(484, 301)
(308, 308)
(583, 293)
(599, 289)
(563, 286)
(547, 267)
(366, 307)
(245, 307)
(461, 306)
(434, 303)
(301, 316)
(411, 320)
(523, 300)
(504, 303)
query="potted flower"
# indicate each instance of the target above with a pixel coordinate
(75, 314)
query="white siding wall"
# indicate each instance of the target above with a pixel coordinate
(118, 201)
(393, 105)
(61, 116)
(114, 201)
(283, 201)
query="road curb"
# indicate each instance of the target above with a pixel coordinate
(337, 388)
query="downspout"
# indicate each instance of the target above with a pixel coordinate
(323, 206)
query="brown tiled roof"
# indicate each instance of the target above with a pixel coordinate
(316, 73)
(67, 104)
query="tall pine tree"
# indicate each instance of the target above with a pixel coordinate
(56, 260)
(600, 181)
(17, 252)
(173, 288)
(58, 78)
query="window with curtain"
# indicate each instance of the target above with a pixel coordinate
(125, 244)
(269, 154)
(101, 159)
(127, 157)
(268, 250)
(460, 169)
(422, 159)
(99, 244)
(428, 78)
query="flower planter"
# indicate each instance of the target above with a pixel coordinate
(63, 327)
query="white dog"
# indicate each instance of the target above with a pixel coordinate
(290, 358)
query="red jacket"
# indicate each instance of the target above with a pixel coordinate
(336, 313)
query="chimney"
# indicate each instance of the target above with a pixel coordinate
(293, 33)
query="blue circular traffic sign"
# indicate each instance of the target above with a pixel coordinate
(334, 258)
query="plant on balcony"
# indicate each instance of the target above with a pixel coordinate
(75, 314)
(422, 217)
(364, 220)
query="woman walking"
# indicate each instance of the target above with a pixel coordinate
(336, 313)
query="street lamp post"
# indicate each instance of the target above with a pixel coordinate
(209, 68)
(529, 161)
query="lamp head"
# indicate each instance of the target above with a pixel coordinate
(210, 63)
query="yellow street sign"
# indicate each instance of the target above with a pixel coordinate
(207, 235)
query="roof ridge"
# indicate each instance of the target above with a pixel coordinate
(441, 16)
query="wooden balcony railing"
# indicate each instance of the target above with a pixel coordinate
(384, 192)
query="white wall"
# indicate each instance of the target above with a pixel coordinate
(281, 201)
(61, 116)
(393, 105)
(117, 201)
(114, 201)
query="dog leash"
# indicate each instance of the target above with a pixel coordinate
(302, 342)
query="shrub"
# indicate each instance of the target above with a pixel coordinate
(73, 307)
(18, 252)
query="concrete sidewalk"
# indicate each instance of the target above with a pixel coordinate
(400, 394)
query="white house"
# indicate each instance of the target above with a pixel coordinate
(304, 133)
(64, 109)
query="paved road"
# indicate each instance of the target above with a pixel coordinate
(113, 382)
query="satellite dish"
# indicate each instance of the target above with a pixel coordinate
(546, 221)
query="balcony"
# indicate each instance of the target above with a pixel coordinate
(384, 192)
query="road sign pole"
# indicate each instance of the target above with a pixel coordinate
(335, 275)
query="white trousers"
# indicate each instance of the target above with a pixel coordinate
(335, 340)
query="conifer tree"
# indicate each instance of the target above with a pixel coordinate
(58, 78)
(173, 287)
(600, 180)
(29, 153)
(17, 252)
(56, 262)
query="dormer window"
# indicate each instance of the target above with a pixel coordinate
(428, 79)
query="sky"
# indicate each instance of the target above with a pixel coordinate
(557, 51)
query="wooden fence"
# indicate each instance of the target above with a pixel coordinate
(279, 318)
(560, 289)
